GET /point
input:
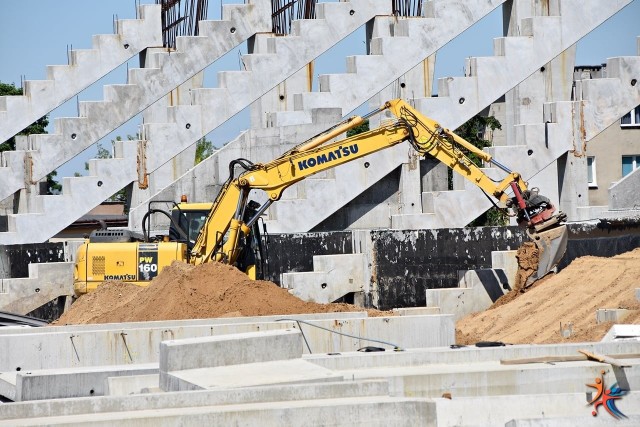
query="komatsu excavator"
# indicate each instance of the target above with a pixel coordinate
(229, 231)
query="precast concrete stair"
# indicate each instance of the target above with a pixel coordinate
(186, 124)
(164, 71)
(333, 277)
(79, 194)
(263, 71)
(567, 127)
(46, 282)
(261, 145)
(476, 291)
(397, 45)
(459, 99)
(85, 67)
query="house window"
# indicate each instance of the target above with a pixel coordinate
(591, 172)
(632, 118)
(629, 164)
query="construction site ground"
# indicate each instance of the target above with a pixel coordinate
(569, 298)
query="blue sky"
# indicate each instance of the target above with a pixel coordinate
(36, 33)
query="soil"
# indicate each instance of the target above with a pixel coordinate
(528, 256)
(567, 300)
(183, 291)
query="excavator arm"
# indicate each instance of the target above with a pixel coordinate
(226, 225)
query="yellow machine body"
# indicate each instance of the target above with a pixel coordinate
(131, 262)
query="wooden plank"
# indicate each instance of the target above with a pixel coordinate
(602, 358)
(570, 358)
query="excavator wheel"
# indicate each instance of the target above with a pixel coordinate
(551, 244)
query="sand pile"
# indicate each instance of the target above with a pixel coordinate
(183, 291)
(571, 296)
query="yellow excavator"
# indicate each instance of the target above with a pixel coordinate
(227, 230)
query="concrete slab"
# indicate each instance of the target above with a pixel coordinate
(623, 333)
(247, 375)
(416, 311)
(599, 421)
(76, 382)
(52, 349)
(235, 349)
(133, 384)
(8, 385)
(468, 354)
(612, 314)
(492, 378)
(197, 322)
(347, 411)
(498, 410)
(188, 399)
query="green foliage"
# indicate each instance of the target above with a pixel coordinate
(105, 153)
(204, 149)
(362, 127)
(494, 217)
(53, 186)
(474, 131)
(39, 126)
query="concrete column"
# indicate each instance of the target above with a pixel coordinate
(433, 175)
(573, 187)
(5, 271)
(410, 192)
(552, 82)
(362, 244)
(157, 113)
(280, 98)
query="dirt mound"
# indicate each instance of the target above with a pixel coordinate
(569, 297)
(183, 291)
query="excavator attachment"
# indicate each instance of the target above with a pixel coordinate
(551, 244)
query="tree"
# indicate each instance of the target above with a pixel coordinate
(474, 131)
(39, 126)
(362, 127)
(105, 153)
(204, 149)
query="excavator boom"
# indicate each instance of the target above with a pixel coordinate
(230, 233)
(225, 228)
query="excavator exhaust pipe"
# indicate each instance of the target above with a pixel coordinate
(551, 244)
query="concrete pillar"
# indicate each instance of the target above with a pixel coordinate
(280, 98)
(5, 271)
(362, 244)
(573, 187)
(410, 192)
(179, 165)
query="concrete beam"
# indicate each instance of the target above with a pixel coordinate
(468, 354)
(57, 347)
(498, 410)
(75, 382)
(101, 404)
(294, 371)
(346, 411)
(236, 349)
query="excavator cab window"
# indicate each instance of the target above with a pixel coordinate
(191, 221)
